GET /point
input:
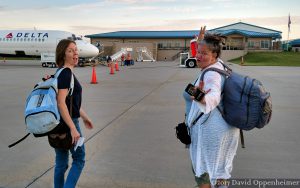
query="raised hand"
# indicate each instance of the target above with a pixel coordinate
(201, 34)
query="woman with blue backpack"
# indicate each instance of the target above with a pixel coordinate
(70, 110)
(213, 141)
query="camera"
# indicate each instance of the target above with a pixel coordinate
(195, 92)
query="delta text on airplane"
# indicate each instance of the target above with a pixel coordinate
(37, 42)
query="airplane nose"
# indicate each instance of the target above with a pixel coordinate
(95, 50)
(86, 49)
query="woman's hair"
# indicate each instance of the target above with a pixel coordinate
(61, 51)
(214, 42)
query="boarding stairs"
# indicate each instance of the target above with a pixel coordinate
(118, 54)
(143, 51)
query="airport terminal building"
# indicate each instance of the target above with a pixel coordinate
(167, 45)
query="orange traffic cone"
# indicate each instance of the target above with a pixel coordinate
(94, 77)
(112, 69)
(117, 66)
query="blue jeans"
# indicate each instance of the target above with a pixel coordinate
(61, 164)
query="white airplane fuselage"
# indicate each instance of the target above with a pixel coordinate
(35, 42)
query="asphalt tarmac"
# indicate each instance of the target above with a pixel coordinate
(133, 143)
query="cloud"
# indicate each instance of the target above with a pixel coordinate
(92, 29)
(2, 8)
(84, 6)
(139, 1)
(221, 0)
(191, 24)
(275, 23)
(218, 22)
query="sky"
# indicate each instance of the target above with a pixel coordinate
(84, 17)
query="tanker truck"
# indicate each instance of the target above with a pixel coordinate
(189, 59)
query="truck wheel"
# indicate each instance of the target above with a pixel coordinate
(191, 63)
(44, 65)
(53, 65)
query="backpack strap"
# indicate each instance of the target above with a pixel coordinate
(195, 121)
(71, 85)
(242, 138)
(71, 89)
(226, 73)
(13, 144)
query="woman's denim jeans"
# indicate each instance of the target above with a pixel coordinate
(61, 164)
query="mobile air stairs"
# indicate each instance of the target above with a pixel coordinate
(118, 54)
(143, 52)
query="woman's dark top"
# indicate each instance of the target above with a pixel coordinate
(63, 82)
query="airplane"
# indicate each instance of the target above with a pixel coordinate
(39, 42)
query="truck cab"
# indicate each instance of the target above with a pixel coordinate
(189, 59)
(48, 59)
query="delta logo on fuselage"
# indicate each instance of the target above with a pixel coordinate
(28, 35)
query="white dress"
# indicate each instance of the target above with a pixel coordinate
(214, 142)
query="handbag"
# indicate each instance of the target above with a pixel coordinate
(183, 133)
(62, 140)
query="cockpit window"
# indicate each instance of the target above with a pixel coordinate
(74, 37)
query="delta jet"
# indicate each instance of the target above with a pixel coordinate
(39, 42)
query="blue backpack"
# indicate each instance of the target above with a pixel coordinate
(246, 103)
(41, 110)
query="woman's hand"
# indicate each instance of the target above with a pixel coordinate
(201, 34)
(201, 87)
(88, 123)
(86, 120)
(75, 135)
